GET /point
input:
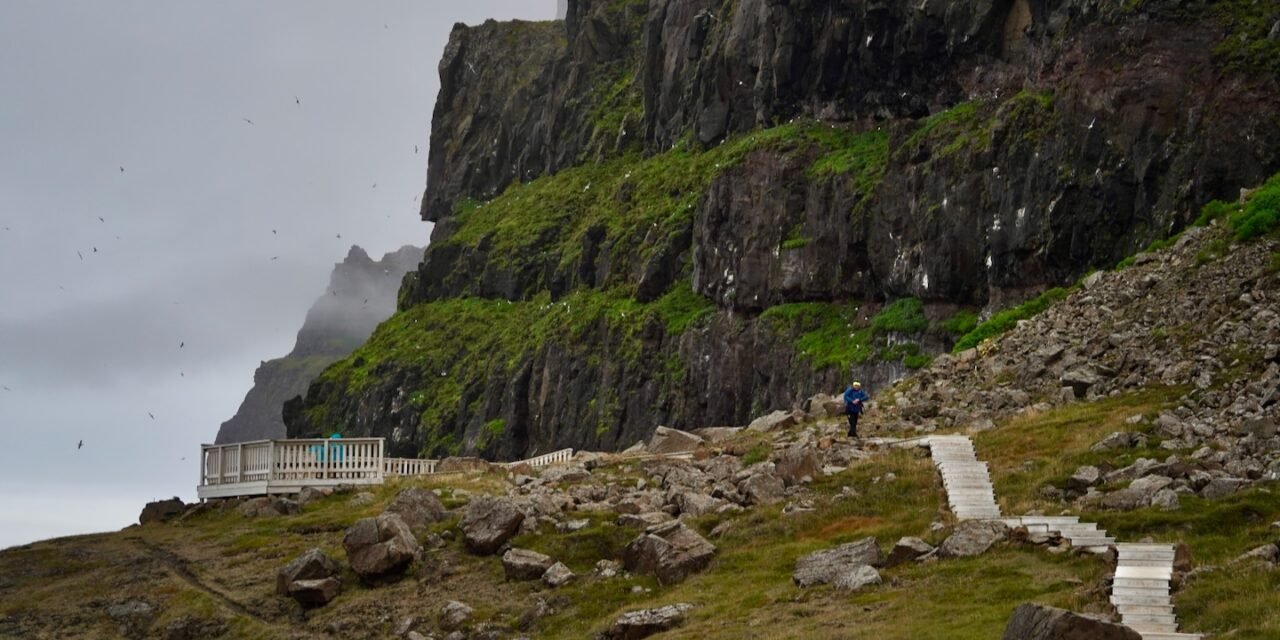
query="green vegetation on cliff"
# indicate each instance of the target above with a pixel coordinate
(832, 335)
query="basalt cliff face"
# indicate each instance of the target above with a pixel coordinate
(361, 294)
(687, 212)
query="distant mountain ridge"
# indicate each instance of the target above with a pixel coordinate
(361, 294)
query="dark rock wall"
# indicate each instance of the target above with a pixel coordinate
(1029, 142)
(361, 293)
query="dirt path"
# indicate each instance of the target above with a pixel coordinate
(179, 567)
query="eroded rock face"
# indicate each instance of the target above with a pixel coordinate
(833, 565)
(1037, 622)
(489, 523)
(635, 625)
(380, 548)
(669, 551)
(973, 537)
(313, 579)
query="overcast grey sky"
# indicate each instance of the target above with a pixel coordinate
(92, 312)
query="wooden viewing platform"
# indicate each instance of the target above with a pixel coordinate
(265, 467)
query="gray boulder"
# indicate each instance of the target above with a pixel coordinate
(523, 564)
(774, 421)
(1037, 622)
(1221, 487)
(381, 547)
(666, 440)
(1081, 379)
(313, 579)
(161, 510)
(796, 464)
(669, 551)
(1269, 553)
(762, 488)
(856, 578)
(973, 537)
(268, 507)
(489, 523)
(419, 508)
(696, 504)
(907, 550)
(1083, 478)
(453, 615)
(1166, 499)
(635, 625)
(557, 575)
(829, 565)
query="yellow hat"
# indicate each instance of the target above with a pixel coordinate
(857, 384)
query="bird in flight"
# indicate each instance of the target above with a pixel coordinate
(151, 415)
(247, 120)
(182, 344)
(122, 169)
(80, 446)
(415, 148)
(296, 100)
(95, 249)
(80, 254)
(375, 186)
(273, 232)
(275, 257)
(6, 388)
(182, 374)
(100, 219)
(366, 301)
(339, 236)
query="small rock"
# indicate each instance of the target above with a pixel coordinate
(523, 564)
(453, 615)
(608, 568)
(1083, 478)
(557, 575)
(1166, 499)
(1269, 553)
(635, 625)
(907, 550)
(796, 463)
(762, 488)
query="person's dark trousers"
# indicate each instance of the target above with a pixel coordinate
(853, 424)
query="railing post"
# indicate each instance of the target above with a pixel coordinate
(222, 465)
(324, 462)
(271, 461)
(381, 456)
(239, 462)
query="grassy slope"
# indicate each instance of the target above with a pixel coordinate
(747, 590)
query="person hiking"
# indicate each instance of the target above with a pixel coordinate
(854, 403)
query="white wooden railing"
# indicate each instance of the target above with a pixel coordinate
(409, 467)
(547, 459)
(287, 466)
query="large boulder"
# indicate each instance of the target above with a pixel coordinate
(796, 464)
(381, 547)
(831, 565)
(1037, 622)
(313, 579)
(669, 551)
(667, 440)
(523, 564)
(973, 537)
(774, 421)
(1081, 379)
(418, 508)
(489, 523)
(161, 510)
(856, 578)
(635, 625)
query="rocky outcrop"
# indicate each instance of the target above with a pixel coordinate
(361, 293)
(161, 510)
(1038, 622)
(380, 548)
(523, 564)
(419, 508)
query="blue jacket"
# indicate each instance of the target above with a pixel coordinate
(854, 399)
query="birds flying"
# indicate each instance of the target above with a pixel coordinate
(122, 169)
(80, 254)
(100, 219)
(247, 120)
(296, 100)
(275, 257)
(5, 388)
(80, 446)
(182, 344)
(273, 232)
(415, 148)
(151, 415)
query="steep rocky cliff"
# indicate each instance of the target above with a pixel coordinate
(361, 294)
(687, 211)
